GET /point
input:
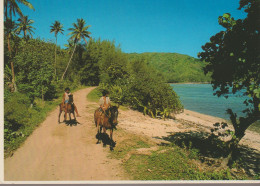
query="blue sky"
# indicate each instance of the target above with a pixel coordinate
(181, 26)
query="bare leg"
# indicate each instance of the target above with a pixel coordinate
(59, 116)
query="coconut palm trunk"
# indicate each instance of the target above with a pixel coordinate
(55, 57)
(12, 66)
(78, 32)
(56, 27)
(69, 62)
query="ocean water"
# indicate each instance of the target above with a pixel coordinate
(200, 98)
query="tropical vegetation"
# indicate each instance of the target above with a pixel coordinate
(37, 71)
(232, 58)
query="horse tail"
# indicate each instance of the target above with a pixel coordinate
(95, 120)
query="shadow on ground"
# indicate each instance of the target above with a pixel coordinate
(72, 122)
(105, 139)
(211, 150)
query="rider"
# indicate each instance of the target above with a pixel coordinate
(65, 100)
(104, 102)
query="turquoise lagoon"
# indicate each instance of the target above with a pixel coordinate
(200, 98)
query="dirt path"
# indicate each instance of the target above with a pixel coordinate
(60, 152)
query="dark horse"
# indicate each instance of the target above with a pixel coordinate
(70, 109)
(107, 120)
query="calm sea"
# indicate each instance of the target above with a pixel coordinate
(200, 98)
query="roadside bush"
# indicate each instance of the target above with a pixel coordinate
(143, 89)
(16, 114)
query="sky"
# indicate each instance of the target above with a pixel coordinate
(179, 26)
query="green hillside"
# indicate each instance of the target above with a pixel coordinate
(175, 67)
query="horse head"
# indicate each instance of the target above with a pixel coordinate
(71, 98)
(114, 115)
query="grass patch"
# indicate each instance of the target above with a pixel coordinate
(94, 95)
(169, 162)
(126, 142)
(173, 164)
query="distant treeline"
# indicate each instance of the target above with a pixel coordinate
(176, 68)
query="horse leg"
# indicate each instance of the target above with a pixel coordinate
(70, 115)
(66, 111)
(59, 114)
(74, 116)
(98, 132)
(111, 134)
(112, 143)
(104, 130)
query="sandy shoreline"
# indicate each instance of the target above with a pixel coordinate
(197, 117)
(137, 123)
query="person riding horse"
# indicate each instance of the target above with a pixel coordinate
(105, 117)
(65, 101)
(104, 103)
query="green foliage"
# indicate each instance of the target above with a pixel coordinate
(175, 67)
(56, 27)
(134, 83)
(232, 58)
(34, 68)
(16, 111)
(11, 8)
(25, 26)
(94, 95)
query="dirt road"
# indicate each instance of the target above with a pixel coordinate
(60, 152)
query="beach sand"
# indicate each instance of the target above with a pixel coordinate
(186, 121)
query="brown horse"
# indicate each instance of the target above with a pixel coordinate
(107, 120)
(70, 109)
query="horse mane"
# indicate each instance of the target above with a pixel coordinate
(112, 110)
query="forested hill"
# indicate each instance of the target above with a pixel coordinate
(175, 67)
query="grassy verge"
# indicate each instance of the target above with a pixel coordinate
(38, 115)
(165, 162)
(94, 95)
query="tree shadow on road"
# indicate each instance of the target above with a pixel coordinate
(211, 148)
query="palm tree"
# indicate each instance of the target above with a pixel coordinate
(69, 46)
(11, 7)
(56, 28)
(25, 26)
(78, 32)
(10, 33)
